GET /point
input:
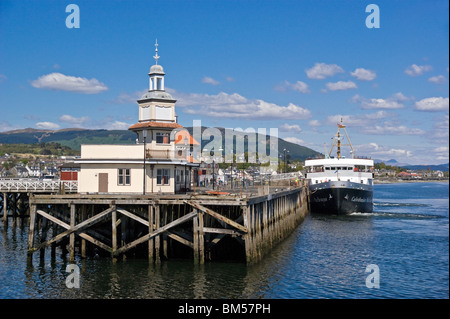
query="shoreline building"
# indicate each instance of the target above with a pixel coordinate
(161, 161)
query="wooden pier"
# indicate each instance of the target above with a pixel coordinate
(204, 227)
(15, 193)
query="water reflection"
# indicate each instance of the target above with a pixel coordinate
(292, 268)
(325, 257)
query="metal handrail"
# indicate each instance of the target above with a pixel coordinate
(36, 185)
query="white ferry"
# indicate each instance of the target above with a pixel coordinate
(340, 185)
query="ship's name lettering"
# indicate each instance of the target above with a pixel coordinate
(359, 199)
(318, 200)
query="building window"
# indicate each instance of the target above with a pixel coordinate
(163, 176)
(162, 138)
(123, 176)
(158, 84)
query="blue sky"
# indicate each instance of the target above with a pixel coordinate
(298, 66)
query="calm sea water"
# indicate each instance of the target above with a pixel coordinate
(407, 237)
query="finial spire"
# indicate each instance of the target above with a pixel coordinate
(156, 56)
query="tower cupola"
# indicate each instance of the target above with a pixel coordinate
(156, 73)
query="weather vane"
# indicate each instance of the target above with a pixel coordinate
(156, 56)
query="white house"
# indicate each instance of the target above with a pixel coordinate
(160, 161)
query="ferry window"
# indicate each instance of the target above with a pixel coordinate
(123, 176)
(163, 176)
(162, 138)
(333, 168)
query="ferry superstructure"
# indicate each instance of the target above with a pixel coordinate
(340, 185)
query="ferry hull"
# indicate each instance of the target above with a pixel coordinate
(340, 198)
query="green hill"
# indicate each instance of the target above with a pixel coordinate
(73, 138)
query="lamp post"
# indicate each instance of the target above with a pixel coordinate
(284, 151)
(232, 160)
(144, 135)
(213, 157)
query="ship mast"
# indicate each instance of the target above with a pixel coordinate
(337, 141)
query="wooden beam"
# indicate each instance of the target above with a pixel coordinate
(72, 235)
(31, 229)
(114, 228)
(150, 229)
(201, 240)
(96, 242)
(195, 234)
(5, 207)
(53, 219)
(88, 222)
(157, 240)
(221, 231)
(132, 216)
(217, 216)
(155, 233)
(179, 238)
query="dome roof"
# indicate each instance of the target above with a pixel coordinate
(156, 69)
(161, 95)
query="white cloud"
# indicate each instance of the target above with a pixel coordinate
(321, 71)
(126, 98)
(314, 123)
(415, 70)
(290, 128)
(229, 79)
(391, 128)
(294, 140)
(433, 104)
(438, 79)
(341, 85)
(364, 74)
(374, 124)
(297, 86)
(375, 150)
(118, 125)
(2, 78)
(392, 102)
(442, 153)
(6, 126)
(236, 106)
(58, 81)
(47, 126)
(75, 121)
(300, 87)
(361, 120)
(209, 80)
(440, 133)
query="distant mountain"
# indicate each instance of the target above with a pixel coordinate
(441, 167)
(393, 162)
(74, 137)
(294, 151)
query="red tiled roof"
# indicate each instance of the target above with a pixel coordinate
(154, 124)
(181, 135)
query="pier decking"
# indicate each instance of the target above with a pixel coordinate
(202, 227)
(15, 193)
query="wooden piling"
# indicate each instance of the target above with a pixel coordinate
(169, 224)
(5, 207)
